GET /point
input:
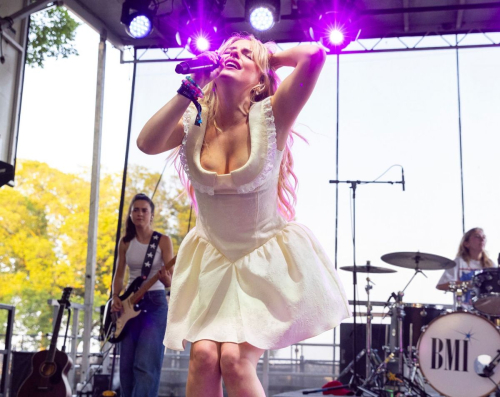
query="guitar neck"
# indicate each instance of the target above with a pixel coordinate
(55, 334)
(149, 283)
(63, 303)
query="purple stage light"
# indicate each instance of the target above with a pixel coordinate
(199, 35)
(336, 36)
(200, 41)
(333, 30)
(202, 44)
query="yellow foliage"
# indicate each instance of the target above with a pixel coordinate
(43, 235)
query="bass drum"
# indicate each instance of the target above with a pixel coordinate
(448, 348)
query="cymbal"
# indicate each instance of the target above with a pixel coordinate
(418, 260)
(368, 269)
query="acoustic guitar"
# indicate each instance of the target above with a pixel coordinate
(49, 370)
(115, 322)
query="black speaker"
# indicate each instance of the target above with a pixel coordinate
(101, 384)
(346, 346)
(20, 370)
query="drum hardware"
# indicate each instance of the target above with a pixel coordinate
(378, 372)
(369, 317)
(353, 186)
(371, 356)
(368, 268)
(400, 315)
(459, 289)
(418, 261)
(396, 312)
(403, 374)
(484, 365)
(486, 291)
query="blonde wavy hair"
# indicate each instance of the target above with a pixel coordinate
(464, 252)
(267, 86)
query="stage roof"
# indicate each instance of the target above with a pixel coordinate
(377, 19)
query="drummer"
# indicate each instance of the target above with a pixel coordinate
(471, 257)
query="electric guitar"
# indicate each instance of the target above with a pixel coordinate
(115, 322)
(49, 373)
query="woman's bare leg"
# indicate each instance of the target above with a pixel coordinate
(204, 376)
(238, 363)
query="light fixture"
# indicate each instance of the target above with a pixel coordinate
(201, 28)
(262, 14)
(333, 30)
(199, 35)
(137, 16)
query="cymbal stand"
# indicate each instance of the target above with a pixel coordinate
(373, 363)
(400, 309)
(417, 270)
(368, 327)
(395, 367)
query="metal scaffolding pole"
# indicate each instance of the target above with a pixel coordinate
(93, 209)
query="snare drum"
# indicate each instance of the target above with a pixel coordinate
(486, 291)
(448, 348)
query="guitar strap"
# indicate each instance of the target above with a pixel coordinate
(150, 255)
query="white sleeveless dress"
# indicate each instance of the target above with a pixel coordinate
(245, 274)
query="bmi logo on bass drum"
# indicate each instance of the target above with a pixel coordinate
(450, 354)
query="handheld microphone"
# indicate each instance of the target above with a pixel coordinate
(203, 63)
(403, 178)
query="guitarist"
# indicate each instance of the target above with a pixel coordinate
(141, 350)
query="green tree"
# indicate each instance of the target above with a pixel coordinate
(51, 35)
(43, 236)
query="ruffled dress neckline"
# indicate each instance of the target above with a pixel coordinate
(250, 176)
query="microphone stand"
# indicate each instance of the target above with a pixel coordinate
(354, 184)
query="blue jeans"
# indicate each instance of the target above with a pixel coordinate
(141, 349)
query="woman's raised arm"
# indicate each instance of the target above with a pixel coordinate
(165, 130)
(295, 90)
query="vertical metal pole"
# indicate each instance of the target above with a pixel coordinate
(93, 209)
(368, 330)
(6, 371)
(19, 84)
(74, 344)
(265, 373)
(460, 137)
(336, 199)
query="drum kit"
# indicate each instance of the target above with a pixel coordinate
(454, 352)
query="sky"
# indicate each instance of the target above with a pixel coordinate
(395, 108)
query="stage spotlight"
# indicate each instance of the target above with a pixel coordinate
(199, 35)
(140, 26)
(137, 16)
(262, 14)
(202, 44)
(333, 30)
(336, 37)
(201, 26)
